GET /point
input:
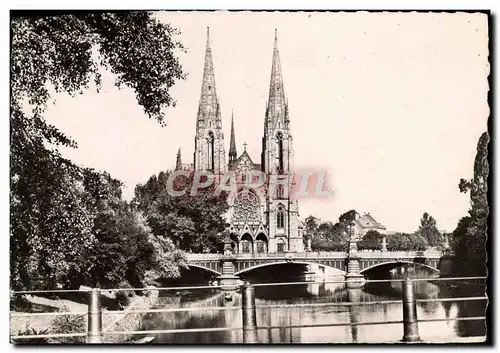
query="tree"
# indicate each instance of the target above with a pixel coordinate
(312, 223)
(417, 242)
(429, 231)
(470, 234)
(372, 240)
(406, 242)
(326, 236)
(347, 217)
(194, 223)
(50, 225)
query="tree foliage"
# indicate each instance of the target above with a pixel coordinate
(428, 230)
(193, 222)
(406, 242)
(372, 240)
(327, 236)
(54, 210)
(469, 238)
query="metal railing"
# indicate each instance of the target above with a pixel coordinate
(248, 309)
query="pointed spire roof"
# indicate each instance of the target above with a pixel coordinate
(277, 101)
(232, 144)
(208, 100)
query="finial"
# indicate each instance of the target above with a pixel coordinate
(245, 146)
(275, 38)
(208, 38)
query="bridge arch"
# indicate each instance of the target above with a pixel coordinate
(251, 268)
(396, 264)
(207, 269)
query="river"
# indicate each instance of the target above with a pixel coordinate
(322, 293)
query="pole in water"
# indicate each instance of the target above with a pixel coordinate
(94, 333)
(249, 315)
(410, 319)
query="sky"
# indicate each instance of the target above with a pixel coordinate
(389, 105)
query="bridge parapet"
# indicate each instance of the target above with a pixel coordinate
(399, 254)
(322, 254)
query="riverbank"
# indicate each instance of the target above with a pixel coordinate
(126, 320)
(130, 321)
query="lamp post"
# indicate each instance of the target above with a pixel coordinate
(353, 278)
(228, 278)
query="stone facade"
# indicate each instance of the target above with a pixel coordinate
(261, 220)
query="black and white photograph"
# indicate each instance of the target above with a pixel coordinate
(250, 177)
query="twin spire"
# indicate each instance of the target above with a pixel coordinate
(276, 108)
(209, 104)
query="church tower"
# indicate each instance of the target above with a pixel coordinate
(277, 160)
(277, 151)
(209, 154)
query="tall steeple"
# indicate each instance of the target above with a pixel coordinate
(277, 110)
(277, 158)
(178, 162)
(277, 150)
(209, 142)
(233, 155)
(208, 97)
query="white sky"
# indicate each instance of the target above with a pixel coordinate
(391, 105)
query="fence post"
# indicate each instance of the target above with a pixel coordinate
(410, 319)
(249, 315)
(94, 333)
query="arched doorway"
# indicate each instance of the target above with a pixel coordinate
(280, 246)
(234, 243)
(261, 244)
(246, 244)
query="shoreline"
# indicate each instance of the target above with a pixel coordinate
(123, 321)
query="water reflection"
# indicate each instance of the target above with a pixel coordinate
(320, 293)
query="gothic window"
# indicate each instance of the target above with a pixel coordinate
(211, 156)
(246, 207)
(279, 148)
(261, 243)
(280, 191)
(280, 217)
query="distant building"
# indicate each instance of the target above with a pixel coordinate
(365, 223)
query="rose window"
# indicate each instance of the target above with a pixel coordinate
(246, 207)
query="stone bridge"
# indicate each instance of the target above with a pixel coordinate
(233, 265)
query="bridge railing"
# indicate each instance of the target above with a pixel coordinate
(95, 334)
(320, 254)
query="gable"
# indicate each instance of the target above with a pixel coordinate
(367, 221)
(243, 163)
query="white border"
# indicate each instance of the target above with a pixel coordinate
(178, 5)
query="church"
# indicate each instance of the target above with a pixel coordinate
(263, 220)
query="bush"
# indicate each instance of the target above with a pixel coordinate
(69, 324)
(122, 298)
(321, 244)
(31, 331)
